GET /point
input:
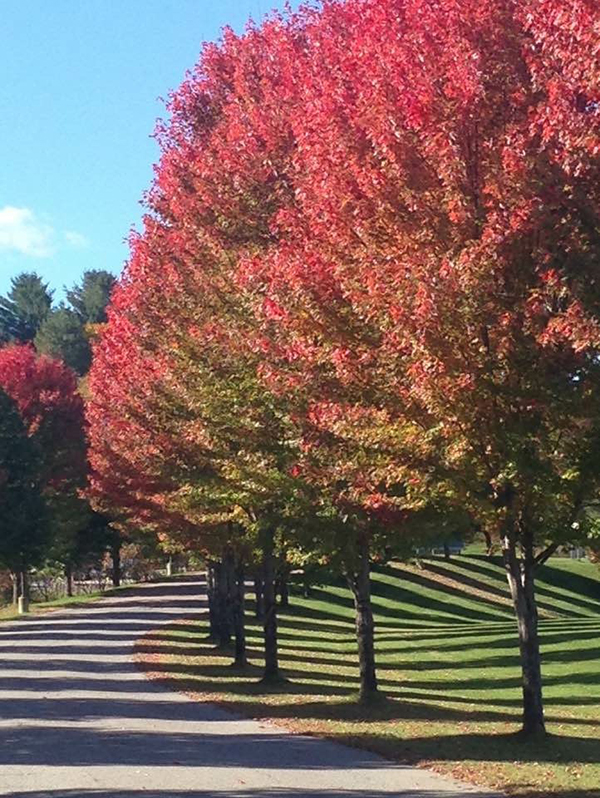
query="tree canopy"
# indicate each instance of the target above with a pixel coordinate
(23, 515)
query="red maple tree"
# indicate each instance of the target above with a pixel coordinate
(433, 276)
(45, 392)
(386, 212)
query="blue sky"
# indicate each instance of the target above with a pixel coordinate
(79, 97)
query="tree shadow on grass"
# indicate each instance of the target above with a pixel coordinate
(387, 616)
(552, 577)
(579, 584)
(448, 569)
(331, 697)
(199, 677)
(488, 610)
(553, 749)
(408, 659)
(546, 588)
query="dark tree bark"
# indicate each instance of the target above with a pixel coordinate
(283, 590)
(69, 579)
(271, 672)
(115, 553)
(259, 598)
(239, 616)
(223, 605)
(23, 585)
(211, 595)
(521, 580)
(306, 584)
(360, 585)
(489, 544)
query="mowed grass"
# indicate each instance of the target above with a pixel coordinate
(448, 667)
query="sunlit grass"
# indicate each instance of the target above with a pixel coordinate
(448, 667)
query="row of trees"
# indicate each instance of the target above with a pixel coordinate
(45, 519)
(364, 306)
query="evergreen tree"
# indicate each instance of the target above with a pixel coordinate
(90, 298)
(23, 520)
(62, 335)
(24, 308)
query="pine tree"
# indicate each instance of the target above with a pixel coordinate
(62, 335)
(24, 308)
(90, 298)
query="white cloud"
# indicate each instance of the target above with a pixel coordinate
(76, 240)
(21, 231)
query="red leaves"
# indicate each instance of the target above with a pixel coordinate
(40, 385)
(45, 391)
(384, 212)
(272, 311)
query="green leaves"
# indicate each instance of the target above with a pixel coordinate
(62, 335)
(89, 300)
(24, 309)
(23, 515)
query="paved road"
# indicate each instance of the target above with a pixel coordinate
(79, 720)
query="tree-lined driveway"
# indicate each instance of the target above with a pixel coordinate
(79, 720)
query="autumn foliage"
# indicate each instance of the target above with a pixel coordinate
(366, 292)
(44, 391)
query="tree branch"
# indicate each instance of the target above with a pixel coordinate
(545, 555)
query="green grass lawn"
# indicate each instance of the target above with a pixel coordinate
(448, 667)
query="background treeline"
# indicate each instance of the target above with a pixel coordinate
(46, 522)
(364, 309)
(64, 331)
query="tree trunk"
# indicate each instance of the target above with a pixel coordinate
(22, 585)
(360, 584)
(229, 576)
(284, 591)
(115, 553)
(211, 595)
(239, 616)
(521, 580)
(306, 584)
(15, 587)
(260, 598)
(271, 672)
(69, 579)
(446, 551)
(489, 544)
(223, 606)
